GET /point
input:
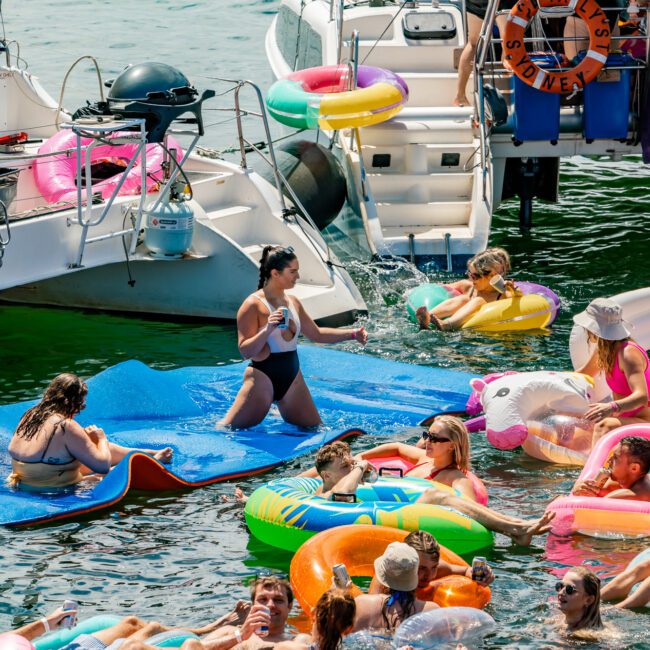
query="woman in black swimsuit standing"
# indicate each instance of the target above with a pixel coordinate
(49, 449)
(274, 373)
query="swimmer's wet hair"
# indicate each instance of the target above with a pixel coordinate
(591, 582)
(639, 449)
(65, 396)
(334, 616)
(328, 453)
(487, 262)
(502, 253)
(274, 258)
(272, 582)
(423, 542)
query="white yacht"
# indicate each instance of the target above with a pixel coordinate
(93, 251)
(425, 183)
(417, 182)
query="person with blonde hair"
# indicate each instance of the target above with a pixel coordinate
(444, 458)
(49, 449)
(624, 362)
(578, 598)
(472, 294)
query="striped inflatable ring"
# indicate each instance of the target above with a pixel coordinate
(318, 98)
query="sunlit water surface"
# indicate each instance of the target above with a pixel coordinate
(185, 557)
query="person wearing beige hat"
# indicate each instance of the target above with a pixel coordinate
(397, 572)
(624, 362)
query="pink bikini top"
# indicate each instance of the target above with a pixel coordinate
(617, 381)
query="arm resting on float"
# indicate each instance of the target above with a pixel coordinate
(411, 453)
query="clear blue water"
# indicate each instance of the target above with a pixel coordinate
(185, 557)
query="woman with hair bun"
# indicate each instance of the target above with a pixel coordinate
(270, 341)
(49, 449)
(333, 619)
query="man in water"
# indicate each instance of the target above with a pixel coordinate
(271, 601)
(340, 473)
(629, 479)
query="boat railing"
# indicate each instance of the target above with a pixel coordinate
(281, 183)
(489, 66)
(487, 62)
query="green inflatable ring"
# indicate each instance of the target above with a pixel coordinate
(426, 295)
(286, 512)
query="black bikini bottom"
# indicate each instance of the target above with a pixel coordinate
(281, 368)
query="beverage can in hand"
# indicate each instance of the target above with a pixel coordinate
(604, 473)
(284, 324)
(69, 621)
(371, 475)
(479, 568)
(263, 630)
(341, 575)
(498, 283)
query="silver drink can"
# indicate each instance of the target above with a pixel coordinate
(341, 575)
(263, 630)
(69, 621)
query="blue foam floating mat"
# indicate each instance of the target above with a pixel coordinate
(141, 407)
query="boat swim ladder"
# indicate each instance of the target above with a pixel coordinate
(6, 238)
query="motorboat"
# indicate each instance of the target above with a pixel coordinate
(85, 202)
(425, 183)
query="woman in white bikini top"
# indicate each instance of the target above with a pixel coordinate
(274, 372)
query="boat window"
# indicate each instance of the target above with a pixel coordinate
(311, 51)
(286, 33)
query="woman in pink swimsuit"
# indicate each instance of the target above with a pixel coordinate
(624, 362)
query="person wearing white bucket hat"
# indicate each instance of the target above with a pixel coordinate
(397, 572)
(624, 362)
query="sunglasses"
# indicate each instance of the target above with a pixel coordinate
(432, 437)
(569, 589)
(477, 276)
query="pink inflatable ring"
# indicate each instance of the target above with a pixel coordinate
(599, 516)
(55, 176)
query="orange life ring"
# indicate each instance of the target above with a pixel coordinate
(357, 546)
(566, 81)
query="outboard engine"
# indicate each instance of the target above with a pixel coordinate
(158, 93)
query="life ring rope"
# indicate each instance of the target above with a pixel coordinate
(562, 81)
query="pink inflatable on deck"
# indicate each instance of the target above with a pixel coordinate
(56, 176)
(11, 641)
(599, 516)
(398, 463)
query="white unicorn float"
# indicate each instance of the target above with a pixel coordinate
(540, 411)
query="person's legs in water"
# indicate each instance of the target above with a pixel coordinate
(297, 406)
(474, 24)
(446, 308)
(521, 531)
(252, 403)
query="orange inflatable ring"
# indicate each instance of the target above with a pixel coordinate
(566, 81)
(357, 546)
